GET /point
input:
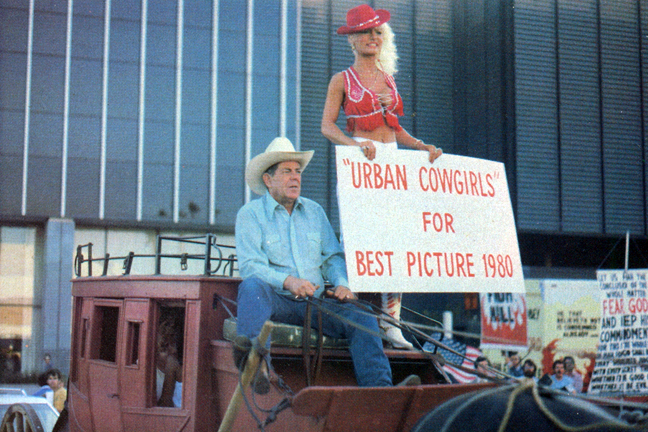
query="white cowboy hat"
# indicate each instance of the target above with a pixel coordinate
(279, 150)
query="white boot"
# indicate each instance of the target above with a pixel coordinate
(391, 304)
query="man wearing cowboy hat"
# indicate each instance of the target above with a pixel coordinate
(286, 248)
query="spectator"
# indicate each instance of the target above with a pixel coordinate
(529, 369)
(482, 365)
(558, 380)
(47, 362)
(44, 390)
(54, 380)
(572, 373)
(514, 366)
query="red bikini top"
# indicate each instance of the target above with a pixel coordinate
(363, 108)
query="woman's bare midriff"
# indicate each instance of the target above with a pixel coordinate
(383, 134)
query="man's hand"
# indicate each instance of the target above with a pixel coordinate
(341, 293)
(299, 288)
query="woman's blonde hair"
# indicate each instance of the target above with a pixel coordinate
(388, 58)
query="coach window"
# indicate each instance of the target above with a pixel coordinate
(104, 340)
(133, 343)
(169, 354)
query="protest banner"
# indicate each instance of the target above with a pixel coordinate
(622, 356)
(572, 314)
(411, 226)
(503, 321)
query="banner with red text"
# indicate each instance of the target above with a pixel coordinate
(622, 355)
(412, 226)
(503, 321)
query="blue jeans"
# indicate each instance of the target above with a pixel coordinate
(259, 302)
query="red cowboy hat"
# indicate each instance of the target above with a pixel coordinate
(363, 17)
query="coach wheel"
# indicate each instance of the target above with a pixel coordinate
(21, 418)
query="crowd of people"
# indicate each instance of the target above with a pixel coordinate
(565, 377)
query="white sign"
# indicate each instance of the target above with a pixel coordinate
(622, 355)
(411, 226)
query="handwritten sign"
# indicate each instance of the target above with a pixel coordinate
(622, 354)
(503, 321)
(412, 226)
(572, 313)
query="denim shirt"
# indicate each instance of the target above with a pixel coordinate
(564, 383)
(272, 244)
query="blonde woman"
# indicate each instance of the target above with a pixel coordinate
(367, 93)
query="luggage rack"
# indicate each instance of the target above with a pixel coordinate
(213, 253)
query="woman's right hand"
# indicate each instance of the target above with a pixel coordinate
(368, 149)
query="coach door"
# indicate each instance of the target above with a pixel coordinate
(103, 368)
(136, 355)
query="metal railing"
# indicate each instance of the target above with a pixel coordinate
(215, 263)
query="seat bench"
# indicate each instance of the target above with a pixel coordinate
(287, 335)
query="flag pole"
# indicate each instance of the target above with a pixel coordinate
(627, 249)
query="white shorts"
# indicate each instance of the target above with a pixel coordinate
(390, 145)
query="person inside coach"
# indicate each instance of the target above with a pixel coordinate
(168, 370)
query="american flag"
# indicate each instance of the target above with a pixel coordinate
(469, 352)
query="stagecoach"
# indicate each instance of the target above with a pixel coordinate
(112, 384)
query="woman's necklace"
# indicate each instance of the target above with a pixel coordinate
(375, 80)
(383, 98)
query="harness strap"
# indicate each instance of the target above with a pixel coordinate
(285, 403)
(223, 300)
(312, 366)
(306, 332)
(320, 348)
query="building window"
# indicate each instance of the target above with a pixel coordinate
(18, 308)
